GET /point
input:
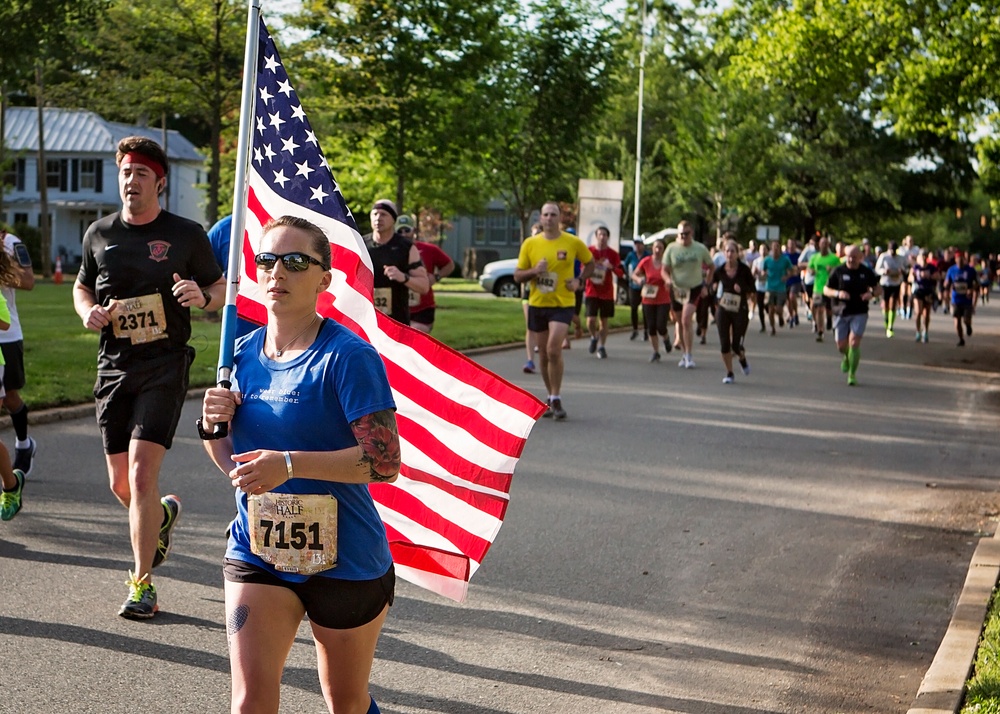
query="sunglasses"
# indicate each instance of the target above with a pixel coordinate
(405, 229)
(293, 262)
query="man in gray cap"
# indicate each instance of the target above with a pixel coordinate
(396, 263)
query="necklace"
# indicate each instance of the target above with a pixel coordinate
(278, 351)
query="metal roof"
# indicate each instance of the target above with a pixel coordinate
(78, 131)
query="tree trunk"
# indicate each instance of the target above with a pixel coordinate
(43, 189)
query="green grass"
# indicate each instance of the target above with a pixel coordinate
(458, 285)
(982, 695)
(61, 355)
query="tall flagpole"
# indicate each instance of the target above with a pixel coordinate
(227, 345)
(638, 130)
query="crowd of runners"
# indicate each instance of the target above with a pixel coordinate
(679, 290)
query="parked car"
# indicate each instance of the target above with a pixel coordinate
(498, 278)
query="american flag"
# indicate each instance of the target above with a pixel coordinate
(461, 427)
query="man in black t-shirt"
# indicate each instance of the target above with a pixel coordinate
(143, 270)
(395, 262)
(851, 286)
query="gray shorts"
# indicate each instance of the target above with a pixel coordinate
(845, 325)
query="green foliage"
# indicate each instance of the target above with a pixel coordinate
(178, 58)
(536, 115)
(395, 75)
(982, 694)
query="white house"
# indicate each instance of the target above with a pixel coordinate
(81, 175)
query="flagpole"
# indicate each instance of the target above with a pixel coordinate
(638, 130)
(227, 344)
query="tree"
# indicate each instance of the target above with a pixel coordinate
(179, 58)
(815, 68)
(536, 115)
(395, 76)
(31, 31)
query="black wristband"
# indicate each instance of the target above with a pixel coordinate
(208, 299)
(206, 435)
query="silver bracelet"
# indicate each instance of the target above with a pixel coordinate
(288, 465)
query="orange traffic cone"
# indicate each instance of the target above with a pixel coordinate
(57, 277)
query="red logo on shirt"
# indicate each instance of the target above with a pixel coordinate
(561, 255)
(158, 250)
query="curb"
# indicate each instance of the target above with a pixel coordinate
(943, 687)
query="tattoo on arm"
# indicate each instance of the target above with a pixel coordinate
(379, 440)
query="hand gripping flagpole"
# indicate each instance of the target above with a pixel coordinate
(227, 344)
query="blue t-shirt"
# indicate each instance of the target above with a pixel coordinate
(307, 404)
(632, 260)
(796, 279)
(219, 237)
(777, 269)
(963, 279)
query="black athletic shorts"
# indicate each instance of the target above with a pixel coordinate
(961, 310)
(424, 317)
(13, 375)
(540, 317)
(142, 403)
(694, 296)
(329, 602)
(599, 307)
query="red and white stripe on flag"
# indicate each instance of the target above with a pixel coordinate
(462, 428)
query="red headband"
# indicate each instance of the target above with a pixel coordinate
(134, 158)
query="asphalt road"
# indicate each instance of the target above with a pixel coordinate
(784, 544)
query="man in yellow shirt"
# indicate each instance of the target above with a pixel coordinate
(546, 261)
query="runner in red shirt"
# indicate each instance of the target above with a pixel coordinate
(438, 265)
(600, 291)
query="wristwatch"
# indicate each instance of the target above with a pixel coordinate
(207, 435)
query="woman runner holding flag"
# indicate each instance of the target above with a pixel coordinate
(312, 423)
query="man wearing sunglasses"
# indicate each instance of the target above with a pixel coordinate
(143, 270)
(396, 263)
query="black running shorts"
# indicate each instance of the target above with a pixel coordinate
(142, 403)
(329, 602)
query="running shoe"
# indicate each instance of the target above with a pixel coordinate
(171, 512)
(645, 337)
(529, 367)
(558, 412)
(602, 353)
(593, 345)
(728, 379)
(819, 336)
(668, 346)
(655, 357)
(690, 362)
(24, 459)
(745, 366)
(968, 329)
(547, 414)
(635, 333)
(919, 336)
(889, 333)
(10, 501)
(141, 601)
(926, 336)
(845, 365)
(961, 343)
(703, 337)
(683, 362)
(852, 381)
